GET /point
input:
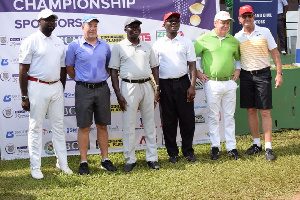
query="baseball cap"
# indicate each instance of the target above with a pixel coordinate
(170, 14)
(88, 18)
(223, 15)
(46, 13)
(131, 20)
(245, 9)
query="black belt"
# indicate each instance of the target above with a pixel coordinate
(257, 71)
(176, 79)
(91, 85)
(136, 81)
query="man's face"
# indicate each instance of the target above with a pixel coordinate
(47, 25)
(172, 24)
(133, 30)
(90, 29)
(222, 27)
(247, 19)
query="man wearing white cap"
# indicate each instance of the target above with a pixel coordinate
(42, 78)
(87, 62)
(220, 60)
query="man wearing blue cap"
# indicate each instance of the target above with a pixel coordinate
(87, 61)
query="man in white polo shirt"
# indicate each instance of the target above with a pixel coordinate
(42, 78)
(256, 43)
(136, 62)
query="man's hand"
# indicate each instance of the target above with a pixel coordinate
(202, 77)
(122, 102)
(156, 99)
(25, 105)
(236, 74)
(191, 94)
(278, 80)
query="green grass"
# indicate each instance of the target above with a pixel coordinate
(251, 177)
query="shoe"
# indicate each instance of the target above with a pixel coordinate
(154, 165)
(64, 169)
(84, 169)
(107, 165)
(269, 155)
(37, 174)
(129, 167)
(283, 52)
(190, 158)
(253, 149)
(214, 153)
(234, 153)
(173, 159)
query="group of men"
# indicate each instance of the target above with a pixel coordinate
(165, 73)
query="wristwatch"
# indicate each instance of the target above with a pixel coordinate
(24, 98)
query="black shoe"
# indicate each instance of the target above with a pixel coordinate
(107, 165)
(234, 153)
(253, 149)
(153, 164)
(173, 159)
(269, 155)
(214, 153)
(129, 167)
(83, 169)
(190, 158)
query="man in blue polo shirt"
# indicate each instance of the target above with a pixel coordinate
(87, 62)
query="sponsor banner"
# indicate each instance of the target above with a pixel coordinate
(19, 17)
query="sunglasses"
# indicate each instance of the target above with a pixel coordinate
(173, 20)
(245, 16)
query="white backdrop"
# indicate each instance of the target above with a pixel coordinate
(18, 20)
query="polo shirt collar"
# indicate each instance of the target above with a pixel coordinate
(83, 41)
(214, 34)
(44, 36)
(178, 37)
(255, 30)
(128, 43)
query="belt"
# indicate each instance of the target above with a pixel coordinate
(136, 81)
(220, 78)
(37, 80)
(258, 71)
(91, 85)
(176, 79)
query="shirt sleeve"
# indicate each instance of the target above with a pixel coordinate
(115, 59)
(191, 55)
(26, 52)
(108, 55)
(63, 57)
(270, 40)
(153, 60)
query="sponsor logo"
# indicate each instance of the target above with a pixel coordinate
(15, 78)
(3, 40)
(112, 38)
(112, 128)
(69, 95)
(5, 76)
(199, 119)
(10, 134)
(199, 86)
(22, 150)
(115, 108)
(72, 145)
(4, 62)
(21, 114)
(162, 33)
(115, 143)
(198, 107)
(145, 37)
(10, 148)
(203, 141)
(45, 131)
(49, 149)
(15, 41)
(7, 112)
(69, 111)
(9, 98)
(72, 130)
(67, 39)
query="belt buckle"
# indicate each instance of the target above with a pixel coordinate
(50, 82)
(91, 86)
(253, 72)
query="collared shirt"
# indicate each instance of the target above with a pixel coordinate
(173, 56)
(217, 54)
(281, 4)
(255, 48)
(89, 61)
(46, 55)
(134, 62)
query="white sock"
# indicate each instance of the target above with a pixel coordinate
(105, 159)
(83, 162)
(268, 145)
(257, 141)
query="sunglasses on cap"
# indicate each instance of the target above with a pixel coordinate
(245, 16)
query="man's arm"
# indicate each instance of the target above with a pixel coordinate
(115, 84)
(285, 9)
(23, 81)
(155, 71)
(277, 61)
(63, 76)
(71, 71)
(193, 75)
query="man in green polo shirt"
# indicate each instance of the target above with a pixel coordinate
(220, 61)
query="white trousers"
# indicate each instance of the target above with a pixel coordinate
(46, 98)
(221, 97)
(138, 96)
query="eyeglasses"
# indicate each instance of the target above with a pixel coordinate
(245, 16)
(173, 20)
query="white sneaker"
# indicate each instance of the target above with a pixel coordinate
(64, 169)
(37, 174)
(283, 52)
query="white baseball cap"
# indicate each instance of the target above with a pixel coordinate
(46, 13)
(223, 15)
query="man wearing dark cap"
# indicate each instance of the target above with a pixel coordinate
(256, 43)
(176, 57)
(87, 62)
(135, 61)
(42, 78)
